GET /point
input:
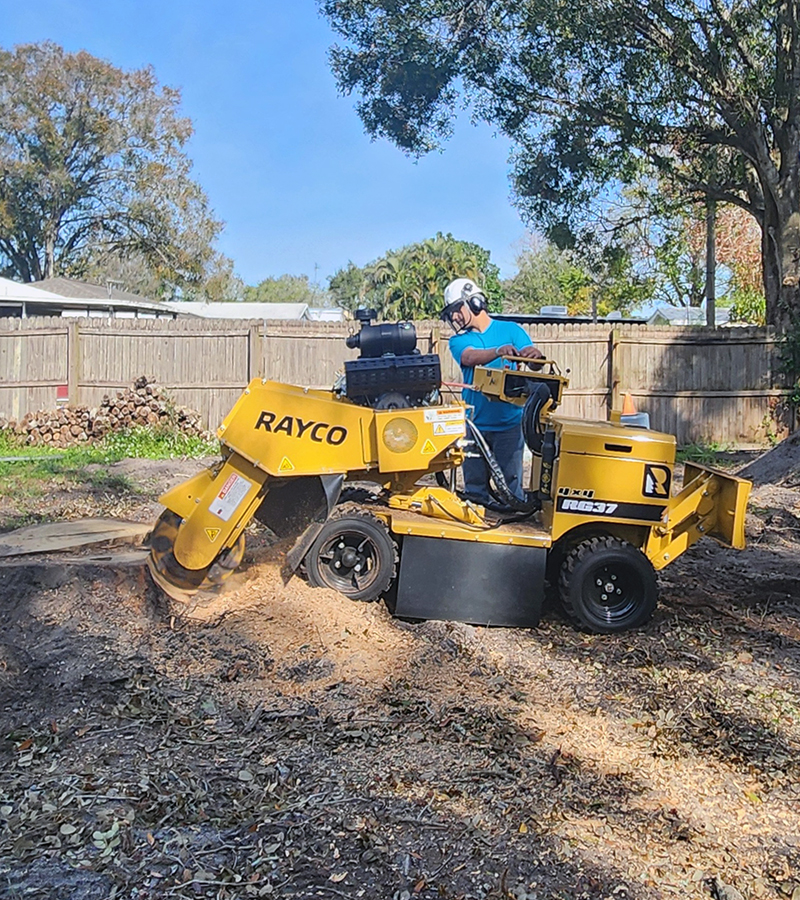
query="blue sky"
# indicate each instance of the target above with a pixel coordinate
(282, 156)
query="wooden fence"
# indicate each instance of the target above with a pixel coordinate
(700, 384)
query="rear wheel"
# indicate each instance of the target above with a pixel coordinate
(353, 554)
(607, 585)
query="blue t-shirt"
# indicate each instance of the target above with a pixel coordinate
(490, 415)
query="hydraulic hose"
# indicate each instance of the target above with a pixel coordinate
(504, 494)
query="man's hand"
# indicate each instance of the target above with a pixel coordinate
(532, 354)
(507, 350)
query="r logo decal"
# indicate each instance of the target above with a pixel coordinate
(656, 481)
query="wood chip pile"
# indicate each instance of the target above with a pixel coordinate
(144, 404)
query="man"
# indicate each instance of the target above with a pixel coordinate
(481, 340)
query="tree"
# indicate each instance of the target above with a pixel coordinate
(549, 276)
(409, 283)
(286, 289)
(345, 287)
(704, 92)
(93, 168)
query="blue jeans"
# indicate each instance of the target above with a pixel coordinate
(507, 447)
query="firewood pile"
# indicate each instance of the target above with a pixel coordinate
(144, 404)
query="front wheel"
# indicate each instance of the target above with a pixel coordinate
(607, 586)
(353, 554)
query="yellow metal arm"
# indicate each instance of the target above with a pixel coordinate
(711, 504)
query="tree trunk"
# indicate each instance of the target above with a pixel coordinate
(711, 263)
(50, 253)
(780, 248)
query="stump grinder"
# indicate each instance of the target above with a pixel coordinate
(363, 478)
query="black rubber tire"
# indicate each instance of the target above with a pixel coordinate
(626, 579)
(352, 539)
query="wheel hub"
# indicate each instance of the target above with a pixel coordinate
(353, 554)
(612, 589)
(348, 557)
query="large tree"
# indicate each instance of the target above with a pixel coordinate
(93, 167)
(409, 283)
(286, 289)
(706, 93)
(549, 276)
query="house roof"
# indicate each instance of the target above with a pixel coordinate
(31, 299)
(685, 315)
(70, 297)
(241, 310)
(13, 290)
(85, 290)
(326, 314)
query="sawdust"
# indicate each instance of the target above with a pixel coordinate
(279, 740)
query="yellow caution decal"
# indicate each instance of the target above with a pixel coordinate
(212, 533)
(286, 465)
(428, 447)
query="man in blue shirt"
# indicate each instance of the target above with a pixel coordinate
(482, 341)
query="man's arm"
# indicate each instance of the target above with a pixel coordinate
(480, 356)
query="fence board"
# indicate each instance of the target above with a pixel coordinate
(699, 384)
(34, 362)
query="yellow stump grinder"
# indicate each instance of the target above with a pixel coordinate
(599, 518)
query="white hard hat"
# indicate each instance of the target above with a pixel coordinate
(460, 289)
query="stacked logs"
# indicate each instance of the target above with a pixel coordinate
(144, 404)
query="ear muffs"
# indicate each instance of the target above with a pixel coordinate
(477, 303)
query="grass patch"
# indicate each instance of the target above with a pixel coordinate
(716, 455)
(35, 470)
(702, 454)
(113, 482)
(140, 442)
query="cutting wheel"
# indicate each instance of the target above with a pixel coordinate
(174, 579)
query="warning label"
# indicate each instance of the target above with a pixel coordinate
(227, 501)
(445, 415)
(449, 427)
(212, 533)
(286, 465)
(428, 447)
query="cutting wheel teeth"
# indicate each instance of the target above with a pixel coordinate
(177, 582)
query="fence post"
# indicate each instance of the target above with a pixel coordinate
(74, 362)
(254, 352)
(614, 375)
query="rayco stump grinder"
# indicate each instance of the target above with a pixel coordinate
(364, 478)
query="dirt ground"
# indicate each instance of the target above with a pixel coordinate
(282, 741)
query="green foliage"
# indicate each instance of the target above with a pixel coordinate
(681, 270)
(93, 170)
(748, 306)
(702, 454)
(139, 442)
(143, 442)
(286, 289)
(409, 283)
(789, 360)
(549, 276)
(347, 288)
(593, 95)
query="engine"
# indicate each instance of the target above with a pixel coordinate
(390, 372)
